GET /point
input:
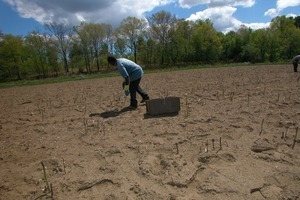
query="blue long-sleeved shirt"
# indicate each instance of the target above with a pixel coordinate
(296, 59)
(129, 68)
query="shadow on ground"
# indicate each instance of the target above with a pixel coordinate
(112, 113)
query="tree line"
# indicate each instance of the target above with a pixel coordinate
(159, 41)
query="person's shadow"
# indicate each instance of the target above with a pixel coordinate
(112, 113)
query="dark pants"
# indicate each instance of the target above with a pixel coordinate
(134, 88)
(295, 66)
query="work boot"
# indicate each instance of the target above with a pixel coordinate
(145, 99)
(133, 103)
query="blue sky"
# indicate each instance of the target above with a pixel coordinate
(20, 17)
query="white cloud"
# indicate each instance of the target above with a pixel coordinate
(80, 18)
(216, 3)
(75, 11)
(219, 12)
(138, 8)
(291, 15)
(220, 16)
(192, 3)
(272, 13)
(256, 26)
(223, 20)
(282, 4)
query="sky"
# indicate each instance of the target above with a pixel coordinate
(20, 17)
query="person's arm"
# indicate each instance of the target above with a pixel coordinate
(124, 74)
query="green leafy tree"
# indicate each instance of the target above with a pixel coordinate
(206, 42)
(40, 55)
(261, 43)
(146, 47)
(275, 46)
(37, 57)
(248, 52)
(286, 31)
(180, 47)
(52, 58)
(232, 47)
(11, 52)
(297, 21)
(82, 46)
(77, 58)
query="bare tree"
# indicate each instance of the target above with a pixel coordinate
(93, 40)
(130, 30)
(160, 26)
(62, 39)
(107, 38)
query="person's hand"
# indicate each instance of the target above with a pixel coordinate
(127, 80)
(124, 84)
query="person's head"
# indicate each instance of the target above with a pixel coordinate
(112, 60)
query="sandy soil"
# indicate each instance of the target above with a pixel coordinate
(234, 138)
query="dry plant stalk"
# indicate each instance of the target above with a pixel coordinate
(285, 135)
(85, 125)
(165, 93)
(63, 116)
(98, 126)
(248, 99)
(103, 129)
(51, 190)
(282, 135)
(48, 187)
(231, 96)
(295, 138)
(75, 98)
(64, 166)
(41, 111)
(261, 126)
(177, 149)
(187, 107)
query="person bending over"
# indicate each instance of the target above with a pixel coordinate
(132, 73)
(295, 61)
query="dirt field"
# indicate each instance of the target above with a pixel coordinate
(234, 138)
